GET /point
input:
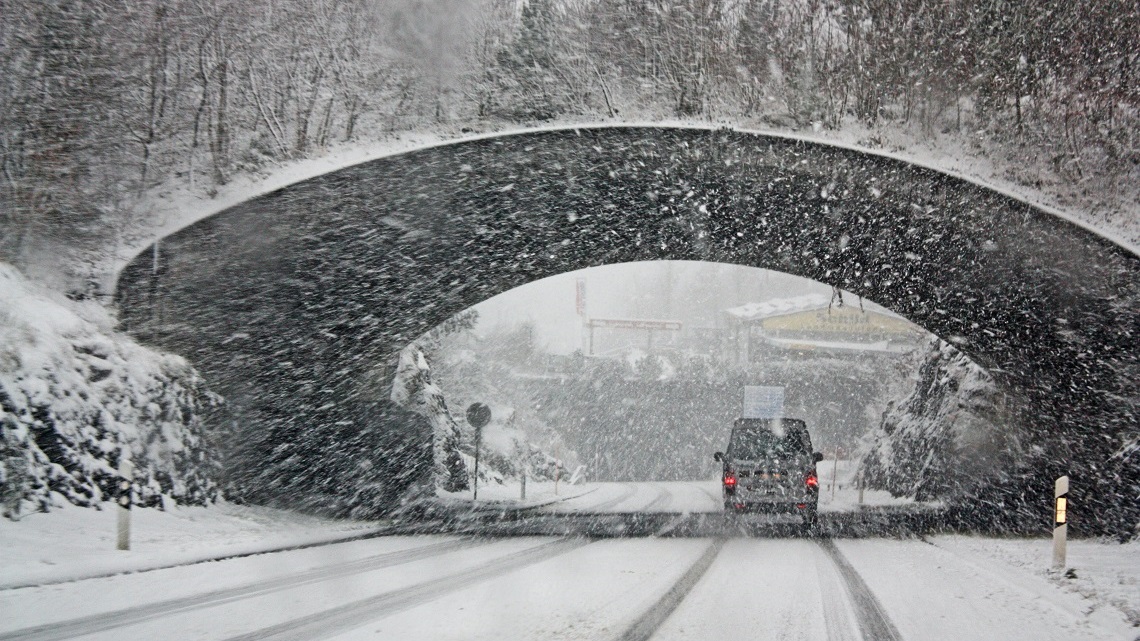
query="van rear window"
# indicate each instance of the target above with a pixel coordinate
(765, 441)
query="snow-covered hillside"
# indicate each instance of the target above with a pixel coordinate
(75, 396)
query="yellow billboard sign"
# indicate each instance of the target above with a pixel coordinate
(848, 321)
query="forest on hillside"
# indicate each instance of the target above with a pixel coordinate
(102, 100)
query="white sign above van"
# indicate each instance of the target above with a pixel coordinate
(762, 401)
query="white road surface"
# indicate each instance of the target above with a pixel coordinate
(450, 587)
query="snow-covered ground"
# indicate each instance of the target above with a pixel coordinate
(442, 587)
(1105, 574)
(680, 497)
(72, 543)
(508, 494)
(986, 588)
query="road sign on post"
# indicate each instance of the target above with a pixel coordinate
(1060, 521)
(478, 415)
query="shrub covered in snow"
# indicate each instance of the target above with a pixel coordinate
(946, 435)
(75, 396)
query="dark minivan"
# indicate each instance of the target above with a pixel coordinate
(769, 466)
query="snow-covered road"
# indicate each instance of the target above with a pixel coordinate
(442, 587)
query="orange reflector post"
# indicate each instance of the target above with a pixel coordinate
(1060, 521)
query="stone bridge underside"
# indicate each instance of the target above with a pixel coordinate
(293, 304)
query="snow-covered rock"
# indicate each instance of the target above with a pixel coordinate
(948, 434)
(413, 389)
(75, 396)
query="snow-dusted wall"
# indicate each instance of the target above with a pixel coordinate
(949, 434)
(76, 395)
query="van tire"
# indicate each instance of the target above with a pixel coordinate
(811, 519)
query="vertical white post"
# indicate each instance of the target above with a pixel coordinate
(126, 474)
(835, 474)
(522, 496)
(1060, 521)
(860, 487)
(478, 438)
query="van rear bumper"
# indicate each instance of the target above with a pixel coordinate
(773, 507)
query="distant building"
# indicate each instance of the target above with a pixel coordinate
(816, 324)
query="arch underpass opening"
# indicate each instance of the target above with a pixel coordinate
(287, 301)
(636, 373)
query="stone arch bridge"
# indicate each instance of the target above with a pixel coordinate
(293, 303)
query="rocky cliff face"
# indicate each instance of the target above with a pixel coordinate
(946, 435)
(413, 389)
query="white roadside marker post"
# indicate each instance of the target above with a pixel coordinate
(126, 474)
(834, 474)
(1060, 521)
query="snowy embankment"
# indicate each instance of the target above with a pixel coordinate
(844, 495)
(77, 396)
(1106, 574)
(72, 543)
(505, 451)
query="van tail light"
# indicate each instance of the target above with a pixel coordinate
(730, 480)
(812, 481)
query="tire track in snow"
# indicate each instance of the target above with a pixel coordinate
(340, 619)
(837, 615)
(718, 501)
(427, 527)
(651, 620)
(661, 501)
(120, 618)
(628, 490)
(872, 620)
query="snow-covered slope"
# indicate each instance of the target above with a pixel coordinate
(75, 396)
